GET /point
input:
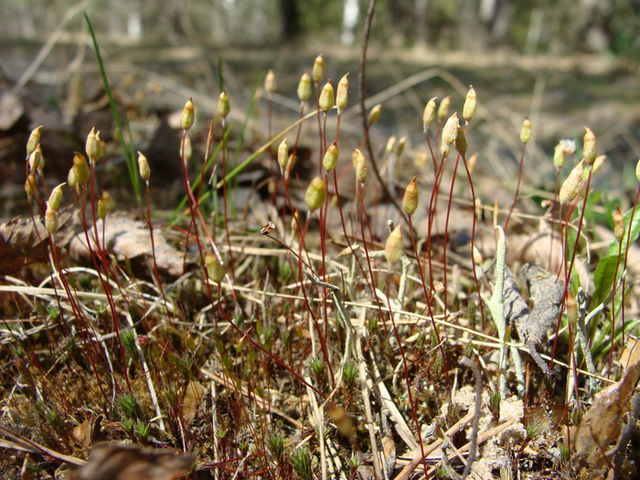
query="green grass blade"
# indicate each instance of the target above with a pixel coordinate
(127, 150)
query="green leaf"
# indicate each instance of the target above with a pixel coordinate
(604, 278)
(127, 149)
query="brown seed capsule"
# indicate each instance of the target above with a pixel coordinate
(443, 109)
(469, 107)
(317, 72)
(327, 98)
(558, 156)
(449, 133)
(330, 159)
(471, 163)
(293, 159)
(360, 165)
(30, 186)
(429, 114)
(36, 160)
(410, 199)
(374, 115)
(34, 140)
(92, 146)
(597, 163)
(270, 83)
(477, 256)
(461, 142)
(393, 246)
(102, 210)
(224, 107)
(188, 115)
(315, 194)
(342, 94)
(143, 167)
(304, 87)
(283, 156)
(391, 144)
(80, 169)
(71, 178)
(55, 197)
(562, 149)
(51, 219)
(215, 268)
(420, 159)
(589, 147)
(618, 224)
(572, 186)
(400, 146)
(106, 205)
(267, 228)
(102, 147)
(295, 222)
(525, 131)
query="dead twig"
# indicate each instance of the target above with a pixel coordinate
(22, 443)
(475, 425)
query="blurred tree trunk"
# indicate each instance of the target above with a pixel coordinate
(497, 16)
(350, 17)
(422, 32)
(290, 15)
(134, 20)
(469, 27)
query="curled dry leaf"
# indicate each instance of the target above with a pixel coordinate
(192, 397)
(631, 353)
(82, 433)
(111, 461)
(601, 425)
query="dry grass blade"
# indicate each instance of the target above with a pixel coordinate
(29, 445)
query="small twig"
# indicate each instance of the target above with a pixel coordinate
(475, 425)
(146, 372)
(334, 291)
(407, 471)
(384, 399)
(365, 390)
(254, 397)
(32, 446)
(445, 459)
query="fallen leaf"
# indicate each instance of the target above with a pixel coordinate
(601, 424)
(112, 461)
(82, 433)
(192, 397)
(125, 236)
(631, 353)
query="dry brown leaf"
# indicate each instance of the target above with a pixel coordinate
(192, 397)
(631, 353)
(125, 236)
(541, 248)
(82, 433)
(111, 461)
(128, 238)
(601, 425)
